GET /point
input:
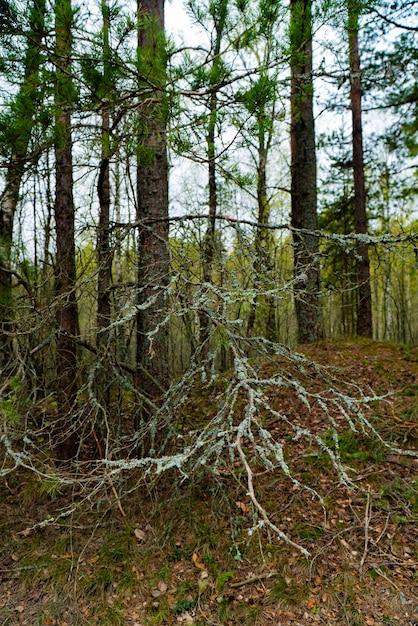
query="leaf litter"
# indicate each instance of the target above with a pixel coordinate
(183, 553)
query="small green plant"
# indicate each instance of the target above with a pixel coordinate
(318, 460)
(252, 615)
(117, 547)
(163, 573)
(412, 390)
(208, 558)
(178, 554)
(285, 592)
(352, 447)
(7, 616)
(222, 579)
(185, 605)
(98, 582)
(225, 611)
(235, 552)
(403, 494)
(308, 532)
(114, 615)
(160, 614)
(51, 487)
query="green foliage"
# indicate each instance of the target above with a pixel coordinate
(98, 583)
(160, 614)
(114, 614)
(11, 404)
(286, 592)
(307, 531)
(226, 609)
(236, 553)
(353, 446)
(185, 605)
(10, 18)
(222, 579)
(51, 487)
(412, 390)
(112, 565)
(405, 496)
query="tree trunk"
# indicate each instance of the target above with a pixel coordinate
(65, 268)
(303, 174)
(104, 256)
(364, 308)
(209, 239)
(152, 208)
(263, 244)
(103, 190)
(25, 106)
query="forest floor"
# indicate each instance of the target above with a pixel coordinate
(181, 553)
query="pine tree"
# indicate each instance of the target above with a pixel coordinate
(152, 204)
(104, 256)
(65, 268)
(16, 130)
(218, 12)
(364, 311)
(303, 172)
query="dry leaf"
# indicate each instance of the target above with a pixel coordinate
(138, 575)
(196, 562)
(139, 534)
(162, 586)
(242, 506)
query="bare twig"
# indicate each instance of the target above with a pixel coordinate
(253, 579)
(367, 515)
(267, 521)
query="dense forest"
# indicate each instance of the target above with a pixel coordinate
(196, 201)
(172, 209)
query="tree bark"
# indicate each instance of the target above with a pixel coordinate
(26, 105)
(104, 255)
(65, 267)
(104, 259)
(152, 208)
(364, 307)
(303, 173)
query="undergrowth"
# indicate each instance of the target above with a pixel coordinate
(211, 544)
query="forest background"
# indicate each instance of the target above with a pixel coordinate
(191, 230)
(106, 285)
(180, 222)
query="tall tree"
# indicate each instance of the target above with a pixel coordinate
(218, 11)
(17, 129)
(65, 267)
(303, 174)
(263, 242)
(364, 311)
(104, 255)
(260, 101)
(103, 185)
(152, 203)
